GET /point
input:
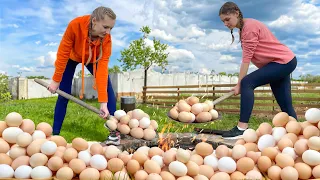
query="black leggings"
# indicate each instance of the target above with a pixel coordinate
(275, 74)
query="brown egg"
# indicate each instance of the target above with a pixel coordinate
(22, 160)
(192, 100)
(4, 146)
(220, 176)
(169, 156)
(304, 170)
(124, 157)
(96, 148)
(152, 167)
(197, 159)
(238, 151)
(89, 173)
(206, 170)
(293, 137)
(133, 166)
(280, 119)
(185, 178)
(240, 141)
(124, 129)
(264, 163)
(205, 149)
(250, 136)
(105, 175)
(27, 126)
(3, 126)
(24, 139)
(197, 108)
(270, 152)
(70, 154)
(45, 127)
(205, 107)
(293, 127)
(314, 143)
(284, 142)
(65, 173)
(203, 117)
(253, 155)
(77, 165)
(305, 124)
(292, 118)
(316, 171)
(80, 144)
(55, 163)
(137, 133)
(237, 175)
(301, 146)
(13, 119)
(265, 128)
(38, 159)
(125, 119)
(155, 151)
(289, 173)
(193, 168)
(310, 131)
(149, 134)
(115, 165)
(251, 147)
(5, 159)
(140, 157)
(35, 146)
(167, 175)
(245, 165)
(17, 152)
(274, 172)
(185, 117)
(59, 140)
(284, 160)
(174, 113)
(183, 107)
(141, 174)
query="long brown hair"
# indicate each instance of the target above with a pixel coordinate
(99, 14)
(231, 7)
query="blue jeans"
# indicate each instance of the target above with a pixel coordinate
(65, 85)
(275, 74)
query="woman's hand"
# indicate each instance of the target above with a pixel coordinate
(53, 86)
(104, 112)
(236, 89)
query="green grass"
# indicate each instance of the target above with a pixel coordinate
(80, 122)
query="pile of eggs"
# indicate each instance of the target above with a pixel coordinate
(285, 149)
(192, 110)
(137, 123)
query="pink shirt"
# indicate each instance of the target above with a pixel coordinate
(261, 47)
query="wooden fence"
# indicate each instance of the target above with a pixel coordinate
(304, 96)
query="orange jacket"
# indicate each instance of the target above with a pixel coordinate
(74, 45)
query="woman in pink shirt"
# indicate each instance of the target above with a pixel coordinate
(274, 60)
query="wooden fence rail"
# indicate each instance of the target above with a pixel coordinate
(304, 95)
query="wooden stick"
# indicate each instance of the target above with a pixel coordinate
(222, 98)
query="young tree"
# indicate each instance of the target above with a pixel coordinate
(139, 54)
(115, 69)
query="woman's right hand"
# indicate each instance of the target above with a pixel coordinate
(236, 89)
(53, 86)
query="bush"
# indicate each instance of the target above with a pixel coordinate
(4, 88)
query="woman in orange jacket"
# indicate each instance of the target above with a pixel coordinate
(87, 40)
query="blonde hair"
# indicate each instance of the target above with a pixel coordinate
(99, 13)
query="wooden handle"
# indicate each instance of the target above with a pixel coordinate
(222, 98)
(70, 97)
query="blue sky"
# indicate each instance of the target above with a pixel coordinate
(31, 30)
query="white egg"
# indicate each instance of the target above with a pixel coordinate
(265, 141)
(119, 113)
(227, 164)
(193, 117)
(23, 172)
(6, 171)
(211, 161)
(278, 132)
(133, 123)
(144, 149)
(41, 172)
(37, 134)
(49, 148)
(10, 134)
(144, 122)
(177, 168)
(312, 115)
(85, 156)
(98, 162)
(311, 157)
(290, 151)
(214, 113)
(158, 159)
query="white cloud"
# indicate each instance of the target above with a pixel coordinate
(38, 42)
(48, 59)
(51, 44)
(60, 34)
(227, 58)
(179, 54)
(163, 35)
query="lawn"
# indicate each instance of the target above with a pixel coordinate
(80, 122)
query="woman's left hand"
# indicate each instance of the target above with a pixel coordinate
(104, 112)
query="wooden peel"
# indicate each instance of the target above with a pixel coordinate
(70, 97)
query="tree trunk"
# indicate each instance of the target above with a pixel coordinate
(145, 85)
